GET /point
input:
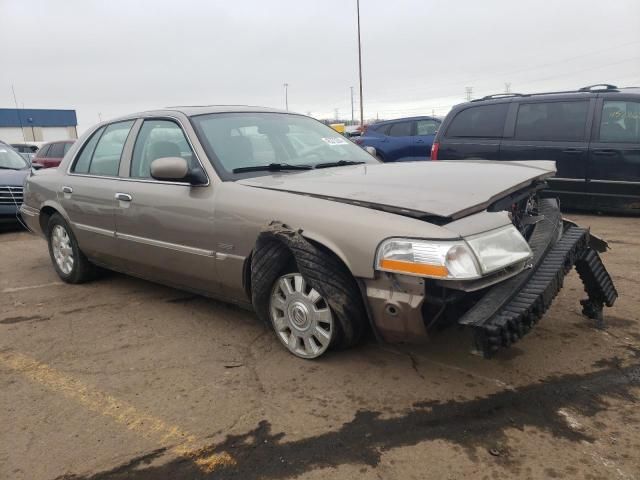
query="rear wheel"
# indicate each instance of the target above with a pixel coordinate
(70, 263)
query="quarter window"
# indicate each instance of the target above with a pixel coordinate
(106, 156)
(620, 122)
(56, 150)
(555, 121)
(482, 121)
(158, 139)
(400, 129)
(42, 153)
(427, 127)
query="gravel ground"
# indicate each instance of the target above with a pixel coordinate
(122, 378)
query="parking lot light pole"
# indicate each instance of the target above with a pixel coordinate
(360, 65)
(352, 114)
(286, 96)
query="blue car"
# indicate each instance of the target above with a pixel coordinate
(402, 139)
(13, 170)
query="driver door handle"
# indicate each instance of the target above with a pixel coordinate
(66, 189)
(605, 151)
(123, 197)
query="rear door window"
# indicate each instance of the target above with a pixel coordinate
(84, 159)
(620, 122)
(383, 129)
(553, 121)
(483, 121)
(400, 129)
(106, 156)
(56, 150)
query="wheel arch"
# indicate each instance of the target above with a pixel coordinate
(319, 240)
(47, 210)
(323, 268)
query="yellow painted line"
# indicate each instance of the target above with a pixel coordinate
(31, 287)
(143, 424)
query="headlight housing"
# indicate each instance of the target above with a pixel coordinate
(465, 259)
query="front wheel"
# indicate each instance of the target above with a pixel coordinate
(70, 263)
(301, 317)
(307, 295)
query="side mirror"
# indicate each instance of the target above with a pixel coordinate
(371, 151)
(176, 169)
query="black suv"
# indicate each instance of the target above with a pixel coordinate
(593, 135)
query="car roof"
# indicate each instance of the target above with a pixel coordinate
(193, 110)
(54, 141)
(405, 119)
(586, 92)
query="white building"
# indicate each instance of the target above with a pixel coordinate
(37, 125)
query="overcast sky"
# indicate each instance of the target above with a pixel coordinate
(118, 56)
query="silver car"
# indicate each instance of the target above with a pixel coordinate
(278, 213)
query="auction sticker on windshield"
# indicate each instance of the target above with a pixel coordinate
(334, 140)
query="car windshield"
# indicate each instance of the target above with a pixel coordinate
(10, 159)
(237, 141)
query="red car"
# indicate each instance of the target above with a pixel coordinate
(51, 154)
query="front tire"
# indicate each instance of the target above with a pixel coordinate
(71, 265)
(300, 316)
(308, 296)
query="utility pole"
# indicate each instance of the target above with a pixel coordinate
(507, 87)
(468, 93)
(360, 65)
(100, 117)
(352, 115)
(15, 100)
(336, 113)
(286, 96)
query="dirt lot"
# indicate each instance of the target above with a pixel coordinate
(122, 378)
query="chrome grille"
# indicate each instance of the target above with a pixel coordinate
(10, 195)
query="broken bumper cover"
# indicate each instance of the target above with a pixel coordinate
(507, 311)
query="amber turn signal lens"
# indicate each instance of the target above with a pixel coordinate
(415, 268)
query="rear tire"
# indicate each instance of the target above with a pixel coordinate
(273, 263)
(71, 265)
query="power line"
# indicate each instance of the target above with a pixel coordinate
(477, 79)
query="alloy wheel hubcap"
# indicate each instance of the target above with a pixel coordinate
(62, 251)
(301, 316)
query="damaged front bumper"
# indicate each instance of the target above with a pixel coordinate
(500, 315)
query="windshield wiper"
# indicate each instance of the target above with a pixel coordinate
(8, 168)
(272, 167)
(339, 163)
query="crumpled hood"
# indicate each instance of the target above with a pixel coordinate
(13, 178)
(451, 189)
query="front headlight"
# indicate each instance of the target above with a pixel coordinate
(453, 260)
(499, 248)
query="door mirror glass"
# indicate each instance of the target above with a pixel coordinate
(170, 169)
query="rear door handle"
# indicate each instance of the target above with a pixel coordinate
(123, 197)
(607, 152)
(66, 189)
(572, 151)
